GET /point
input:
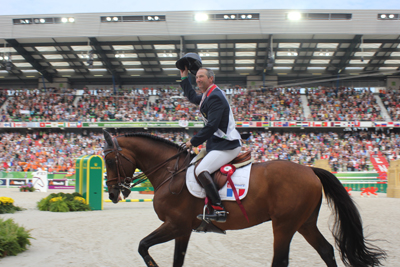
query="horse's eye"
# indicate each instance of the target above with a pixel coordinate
(109, 162)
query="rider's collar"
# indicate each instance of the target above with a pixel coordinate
(209, 89)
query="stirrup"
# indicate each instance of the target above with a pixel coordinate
(203, 217)
(217, 216)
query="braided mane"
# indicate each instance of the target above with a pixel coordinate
(153, 137)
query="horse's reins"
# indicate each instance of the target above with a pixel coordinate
(126, 182)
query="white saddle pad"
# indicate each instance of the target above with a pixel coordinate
(240, 178)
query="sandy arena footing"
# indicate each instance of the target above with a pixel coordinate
(111, 237)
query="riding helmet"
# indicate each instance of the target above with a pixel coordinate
(192, 61)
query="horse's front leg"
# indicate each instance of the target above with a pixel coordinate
(166, 232)
(181, 244)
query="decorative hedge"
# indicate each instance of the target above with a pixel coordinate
(62, 202)
(13, 238)
(7, 205)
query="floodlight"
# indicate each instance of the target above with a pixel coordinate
(249, 16)
(156, 18)
(243, 16)
(71, 20)
(391, 16)
(226, 17)
(294, 16)
(64, 20)
(115, 18)
(42, 20)
(233, 16)
(201, 17)
(108, 18)
(383, 16)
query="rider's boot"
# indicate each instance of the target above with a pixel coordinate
(219, 214)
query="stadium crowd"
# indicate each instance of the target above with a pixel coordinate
(346, 151)
(35, 105)
(391, 101)
(345, 105)
(169, 104)
(272, 104)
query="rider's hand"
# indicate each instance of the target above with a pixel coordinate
(188, 144)
(184, 73)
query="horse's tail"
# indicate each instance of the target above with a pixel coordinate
(355, 249)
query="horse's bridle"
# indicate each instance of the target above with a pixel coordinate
(124, 184)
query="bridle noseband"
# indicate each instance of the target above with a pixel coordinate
(122, 183)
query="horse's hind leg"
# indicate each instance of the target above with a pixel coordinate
(319, 243)
(164, 233)
(181, 244)
(310, 232)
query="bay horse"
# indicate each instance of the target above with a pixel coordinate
(286, 193)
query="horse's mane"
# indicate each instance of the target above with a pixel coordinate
(153, 137)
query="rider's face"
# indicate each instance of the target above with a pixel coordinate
(203, 82)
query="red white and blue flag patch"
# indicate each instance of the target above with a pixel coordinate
(240, 189)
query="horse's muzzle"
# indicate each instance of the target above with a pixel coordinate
(113, 197)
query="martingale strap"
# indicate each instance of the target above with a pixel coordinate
(229, 170)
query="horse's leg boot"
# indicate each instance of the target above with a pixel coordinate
(219, 214)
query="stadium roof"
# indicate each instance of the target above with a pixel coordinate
(140, 47)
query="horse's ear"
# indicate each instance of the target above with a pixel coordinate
(108, 138)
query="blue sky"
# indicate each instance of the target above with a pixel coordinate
(22, 7)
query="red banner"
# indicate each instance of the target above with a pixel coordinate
(380, 164)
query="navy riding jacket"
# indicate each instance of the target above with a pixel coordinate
(220, 127)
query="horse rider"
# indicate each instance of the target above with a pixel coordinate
(223, 140)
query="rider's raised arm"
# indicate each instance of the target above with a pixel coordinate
(189, 92)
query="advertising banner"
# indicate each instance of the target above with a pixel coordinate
(39, 181)
(199, 124)
(60, 184)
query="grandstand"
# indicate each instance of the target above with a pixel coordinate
(323, 86)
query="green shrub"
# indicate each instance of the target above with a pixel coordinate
(7, 205)
(62, 202)
(13, 238)
(59, 206)
(27, 188)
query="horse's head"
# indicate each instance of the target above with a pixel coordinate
(120, 168)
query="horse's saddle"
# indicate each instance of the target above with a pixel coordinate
(219, 177)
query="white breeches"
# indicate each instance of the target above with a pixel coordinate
(216, 159)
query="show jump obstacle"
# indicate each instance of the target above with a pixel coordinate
(393, 189)
(89, 171)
